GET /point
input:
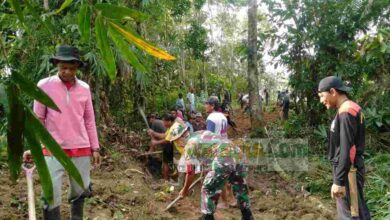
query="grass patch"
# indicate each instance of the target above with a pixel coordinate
(377, 185)
(318, 180)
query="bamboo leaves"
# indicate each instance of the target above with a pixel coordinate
(33, 91)
(119, 12)
(15, 117)
(84, 22)
(43, 171)
(125, 50)
(140, 43)
(64, 5)
(105, 28)
(18, 10)
(104, 47)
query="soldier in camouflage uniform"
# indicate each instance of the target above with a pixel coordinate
(226, 166)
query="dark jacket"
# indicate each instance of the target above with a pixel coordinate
(346, 141)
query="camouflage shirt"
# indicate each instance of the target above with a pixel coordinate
(205, 146)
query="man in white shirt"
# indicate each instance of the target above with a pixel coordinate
(191, 100)
(216, 121)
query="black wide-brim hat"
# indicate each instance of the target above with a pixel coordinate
(67, 53)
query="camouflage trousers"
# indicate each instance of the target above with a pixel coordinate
(224, 170)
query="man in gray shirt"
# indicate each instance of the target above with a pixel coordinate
(158, 126)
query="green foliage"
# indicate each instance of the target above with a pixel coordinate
(180, 8)
(198, 4)
(320, 132)
(119, 12)
(85, 22)
(102, 42)
(377, 186)
(196, 40)
(18, 10)
(23, 51)
(64, 5)
(318, 179)
(3, 100)
(259, 132)
(377, 120)
(294, 126)
(240, 84)
(237, 2)
(15, 130)
(3, 144)
(126, 52)
(135, 39)
(375, 49)
(320, 41)
(216, 84)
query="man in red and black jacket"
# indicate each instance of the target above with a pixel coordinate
(346, 145)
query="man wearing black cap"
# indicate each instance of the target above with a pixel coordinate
(345, 149)
(74, 129)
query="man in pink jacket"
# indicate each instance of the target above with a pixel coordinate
(74, 129)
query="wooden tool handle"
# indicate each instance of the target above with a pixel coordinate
(353, 192)
(149, 153)
(30, 190)
(179, 197)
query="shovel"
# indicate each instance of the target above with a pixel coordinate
(28, 170)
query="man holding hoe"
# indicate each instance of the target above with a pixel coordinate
(74, 129)
(345, 149)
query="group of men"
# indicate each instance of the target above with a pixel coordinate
(283, 101)
(75, 130)
(195, 123)
(210, 151)
(180, 104)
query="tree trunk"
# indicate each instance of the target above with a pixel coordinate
(312, 99)
(204, 75)
(46, 5)
(232, 69)
(183, 66)
(139, 99)
(254, 98)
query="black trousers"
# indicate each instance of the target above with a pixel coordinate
(343, 204)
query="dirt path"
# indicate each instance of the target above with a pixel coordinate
(120, 192)
(124, 194)
(243, 123)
